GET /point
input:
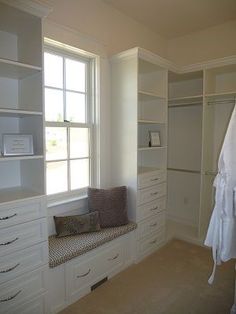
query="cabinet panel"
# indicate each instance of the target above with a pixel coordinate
(151, 224)
(151, 178)
(151, 208)
(150, 194)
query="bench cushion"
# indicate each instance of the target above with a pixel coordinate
(64, 249)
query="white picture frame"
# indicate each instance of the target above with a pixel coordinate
(154, 138)
(17, 145)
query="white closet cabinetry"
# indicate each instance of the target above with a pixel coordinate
(23, 225)
(139, 106)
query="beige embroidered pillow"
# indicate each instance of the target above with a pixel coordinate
(71, 225)
(111, 205)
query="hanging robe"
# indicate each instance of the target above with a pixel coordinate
(221, 234)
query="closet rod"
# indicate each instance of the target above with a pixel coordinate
(184, 170)
(224, 101)
(186, 105)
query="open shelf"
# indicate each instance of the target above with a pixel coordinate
(16, 193)
(219, 96)
(151, 94)
(150, 122)
(142, 170)
(18, 113)
(17, 70)
(151, 148)
(14, 158)
(185, 100)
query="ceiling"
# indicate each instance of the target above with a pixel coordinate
(174, 18)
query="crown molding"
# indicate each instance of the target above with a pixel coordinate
(171, 66)
(32, 7)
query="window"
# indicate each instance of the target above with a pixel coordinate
(68, 90)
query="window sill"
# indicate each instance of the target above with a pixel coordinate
(58, 202)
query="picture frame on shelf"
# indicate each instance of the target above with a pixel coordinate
(154, 139)
(17, 144)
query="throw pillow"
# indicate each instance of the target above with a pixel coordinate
(70, 225)
(111, 205)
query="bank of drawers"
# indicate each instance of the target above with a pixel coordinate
(151, 202)
(23, 256)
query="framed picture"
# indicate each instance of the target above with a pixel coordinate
(154, 138)
(17, 144)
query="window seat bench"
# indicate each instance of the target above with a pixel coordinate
(64, 249)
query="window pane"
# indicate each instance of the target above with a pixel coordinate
(56, 143)
(57, 177)
(53, 70)
(79, 143)
(75, 75)
(79, 172)
(53, 105)
(75, 107)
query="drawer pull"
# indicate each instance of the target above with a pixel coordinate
(156, 179)
(155, 208)
(153, 242)
(154, 193)
(9, 242)
(9, 269)
(84, 275)
(112, 259)
(153, 225)
(8, 217)
(10, 298)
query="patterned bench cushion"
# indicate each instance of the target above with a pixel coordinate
(64, 249)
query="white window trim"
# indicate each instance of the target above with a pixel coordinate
(93, 124)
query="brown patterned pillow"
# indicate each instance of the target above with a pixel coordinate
(70, 225)
(111, 205)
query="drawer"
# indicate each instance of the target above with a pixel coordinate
(20, 262)
(22, 236)
(151, 208)
(150, 244)
(150, 194)
(35, 306)
(151, 178)
(22, 212)
(18, 291)
(151, 225)
(113, 258)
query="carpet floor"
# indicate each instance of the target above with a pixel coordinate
(171, 281)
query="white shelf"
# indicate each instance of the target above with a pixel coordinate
(16, 193)
(151, 94)
(151, 148)
(150, 122)
(221, 95)
(4, 112)
(17, 70)
(186, 99)
(142, 170)
(15, 158)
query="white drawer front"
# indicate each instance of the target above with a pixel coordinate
(151, 225)
(151, 178)
(151, 208)
(112, 258)
(150, 244)
(35, 306)
(150, 194)
(22, 289)
(22, 236)
(20, 262)
(22, 212)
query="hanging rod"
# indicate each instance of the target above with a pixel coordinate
(184, 170)
(186, 105)
(229, 101)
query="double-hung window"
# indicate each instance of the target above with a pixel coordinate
(68, 90)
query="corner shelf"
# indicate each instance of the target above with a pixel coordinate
(18, 113)
(15, 158)
(187, 100)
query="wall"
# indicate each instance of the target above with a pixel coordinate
(108, 26)
(211, 43)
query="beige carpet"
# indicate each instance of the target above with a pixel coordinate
(171, 281)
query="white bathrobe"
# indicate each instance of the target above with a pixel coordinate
(221, 235)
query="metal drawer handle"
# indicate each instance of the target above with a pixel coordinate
(154, 193)
(153, 225)
(9, 242)
(10, 298)
(153, 241)
(9, 269)
(8, 217)
(112, 259)
(155, 208)
(84, 275)
(156, 179)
